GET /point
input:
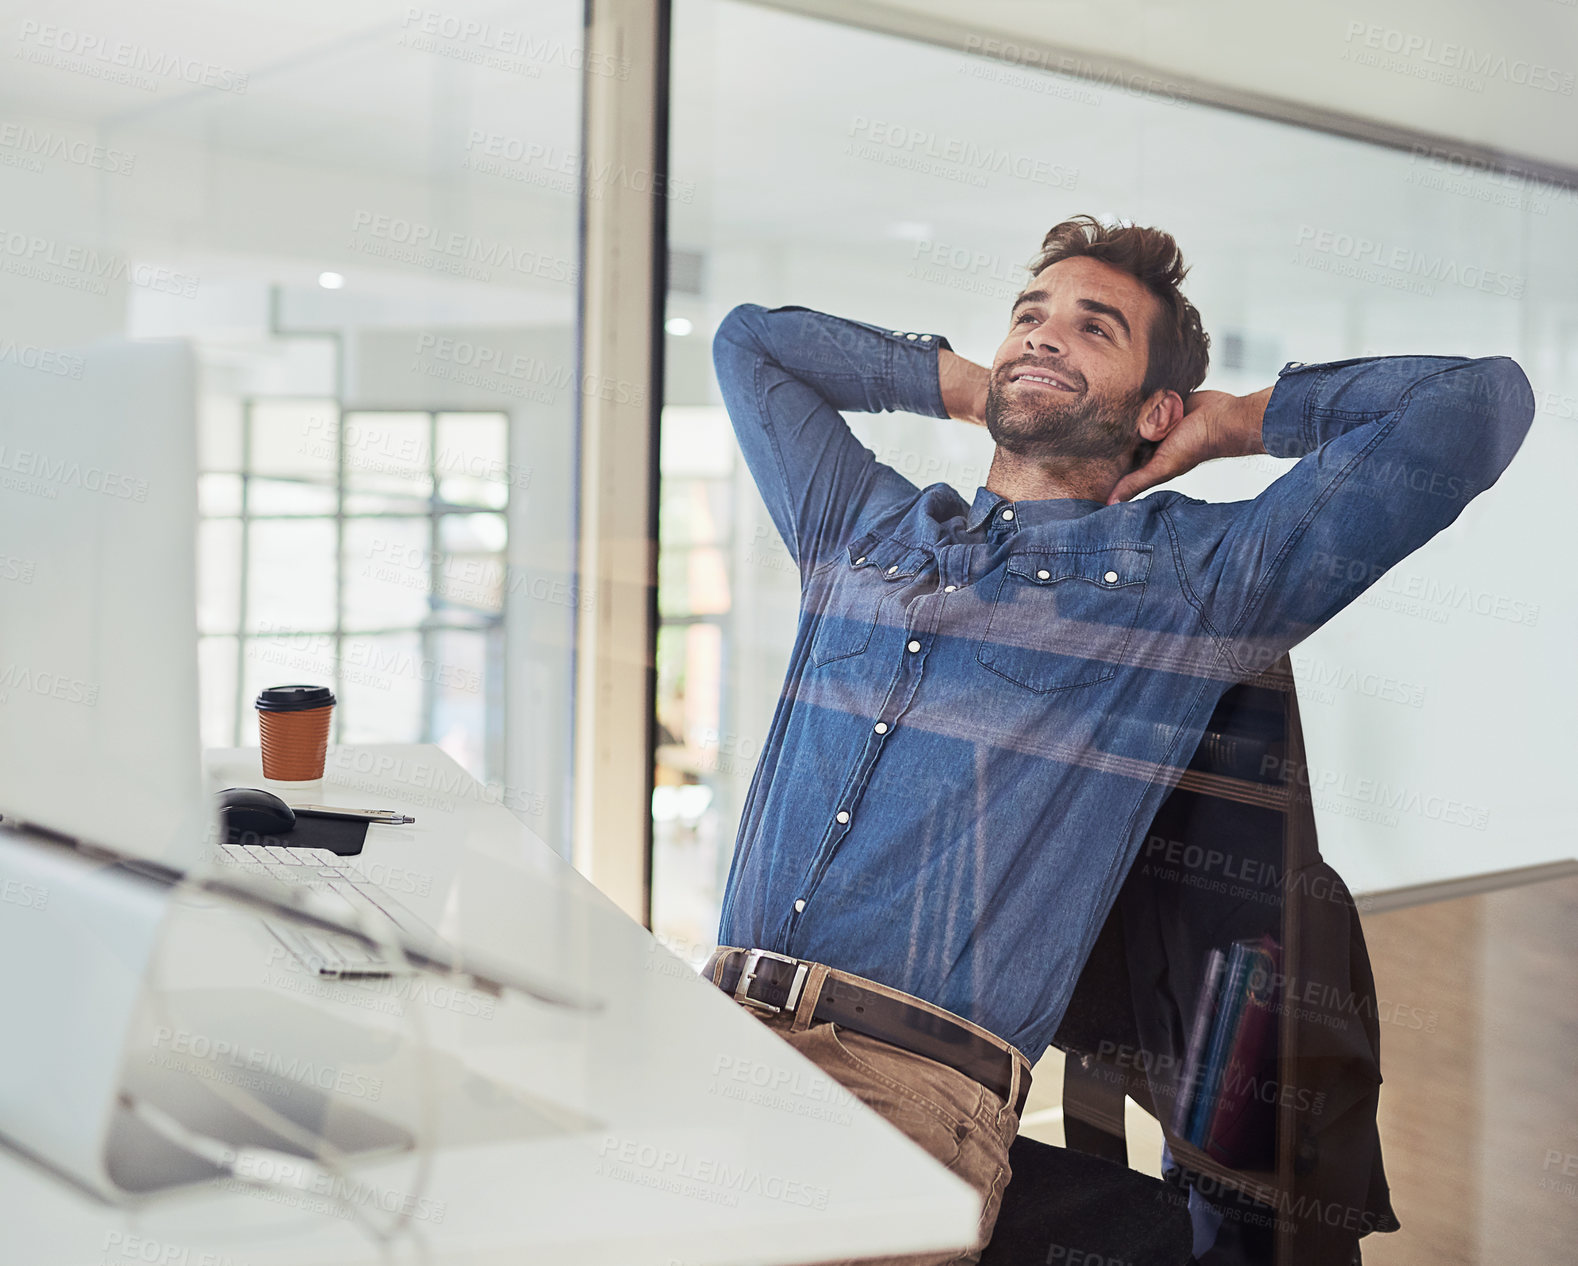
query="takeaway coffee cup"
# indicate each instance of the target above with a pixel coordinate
(293, 724)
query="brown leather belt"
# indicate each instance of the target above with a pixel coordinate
(775, 983)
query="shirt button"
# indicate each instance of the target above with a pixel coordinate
(912, 337)
(843, 815)
(898, 333)
(860, 560)
(1043, 575)
(925, 338)
(949, 588)
(1111, 577)
(1008, 514)
(799, 905)
(914, 646)
(893, 569)
(881, 727)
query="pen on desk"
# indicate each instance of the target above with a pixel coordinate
(388, 816)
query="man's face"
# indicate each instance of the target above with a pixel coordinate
(1066, 381)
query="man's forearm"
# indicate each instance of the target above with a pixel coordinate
(963, 385)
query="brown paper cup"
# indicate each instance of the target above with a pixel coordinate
(294, 738)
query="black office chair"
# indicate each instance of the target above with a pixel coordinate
(1243, 798)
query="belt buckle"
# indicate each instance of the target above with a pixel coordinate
(748, 974)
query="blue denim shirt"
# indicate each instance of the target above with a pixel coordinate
(987, 702)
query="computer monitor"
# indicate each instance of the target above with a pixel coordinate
(98, 720)
(98, 626)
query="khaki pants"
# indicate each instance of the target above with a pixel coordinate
(954, 1117)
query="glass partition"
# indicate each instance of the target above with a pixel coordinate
(907, 185)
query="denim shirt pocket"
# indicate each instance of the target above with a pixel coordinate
(1064, 618)
(856, 592)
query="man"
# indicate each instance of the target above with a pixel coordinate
(987, 702)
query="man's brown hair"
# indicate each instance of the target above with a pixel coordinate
(1180, 349)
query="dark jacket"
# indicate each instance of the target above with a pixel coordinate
(1232, 854)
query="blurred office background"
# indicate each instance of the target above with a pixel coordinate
(366, 217)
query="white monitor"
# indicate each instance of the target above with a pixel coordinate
(98, 626)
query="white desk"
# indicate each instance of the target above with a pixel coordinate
(635, 1134)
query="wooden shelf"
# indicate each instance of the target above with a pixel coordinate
(1251, 1182)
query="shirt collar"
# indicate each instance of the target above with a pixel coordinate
(989, 506)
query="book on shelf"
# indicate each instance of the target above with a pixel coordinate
(1227, 1098)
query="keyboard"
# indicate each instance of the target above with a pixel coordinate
(338, 885)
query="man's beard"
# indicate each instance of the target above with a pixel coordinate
(1046, 424)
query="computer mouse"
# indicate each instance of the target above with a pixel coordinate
(253, 811)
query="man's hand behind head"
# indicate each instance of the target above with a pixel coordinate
(1215, 424)
(963, 384)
